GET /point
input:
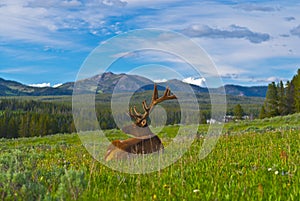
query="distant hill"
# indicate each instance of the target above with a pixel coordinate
(106, 83)
(12, 88)
(236, 90)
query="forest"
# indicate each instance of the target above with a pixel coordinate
(34, 118)
(282, 99)
(28, 118)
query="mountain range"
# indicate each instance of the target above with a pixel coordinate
(106, 83)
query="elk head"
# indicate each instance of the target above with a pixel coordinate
(141, 119)
(146, 142)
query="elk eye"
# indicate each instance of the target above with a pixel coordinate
(144, 122)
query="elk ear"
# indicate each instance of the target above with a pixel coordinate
(137, 131)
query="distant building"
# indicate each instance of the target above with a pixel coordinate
(228, 118)
(211, 121)
(231, 118)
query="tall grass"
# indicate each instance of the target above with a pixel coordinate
(257, 160)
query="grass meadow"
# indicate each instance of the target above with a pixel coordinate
(253, 160)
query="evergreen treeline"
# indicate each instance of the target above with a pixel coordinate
(21, 118)
(282, 100)
(33, 118)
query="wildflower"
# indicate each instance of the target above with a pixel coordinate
(276, 172)
(269, 169)
(196, 190)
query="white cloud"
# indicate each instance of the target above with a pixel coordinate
(290, 18)
(195, 81)
(124, 55)
(234, 31)
(114, 3)
(160, 81)
(15, 70)
(45, 22)
(57, 85)
(20, 22)
(296, 31)
(257, 7)
(272, 79)
(149, 3)
(40, 85)
(23, 70)
(72, 3)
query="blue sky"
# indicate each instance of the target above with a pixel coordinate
(251, 42)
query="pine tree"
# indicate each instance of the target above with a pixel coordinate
(289, 98)
(282, 108)
(262, 113)
(42, 125)
(238, 111)
(202, 118)
(4, 123)
(24, 126)
(296, 83)
(271, 102)
(33, 124)
(12, 130)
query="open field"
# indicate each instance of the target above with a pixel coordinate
(257, 160)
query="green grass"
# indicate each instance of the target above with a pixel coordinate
(258, 160)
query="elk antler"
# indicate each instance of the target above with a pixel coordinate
(141, 119)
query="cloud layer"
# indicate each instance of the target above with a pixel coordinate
(245, 40)
(233, 31)
(296, 31)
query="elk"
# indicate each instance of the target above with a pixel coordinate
(145, 141)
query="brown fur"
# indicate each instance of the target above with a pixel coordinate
(120, 148)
